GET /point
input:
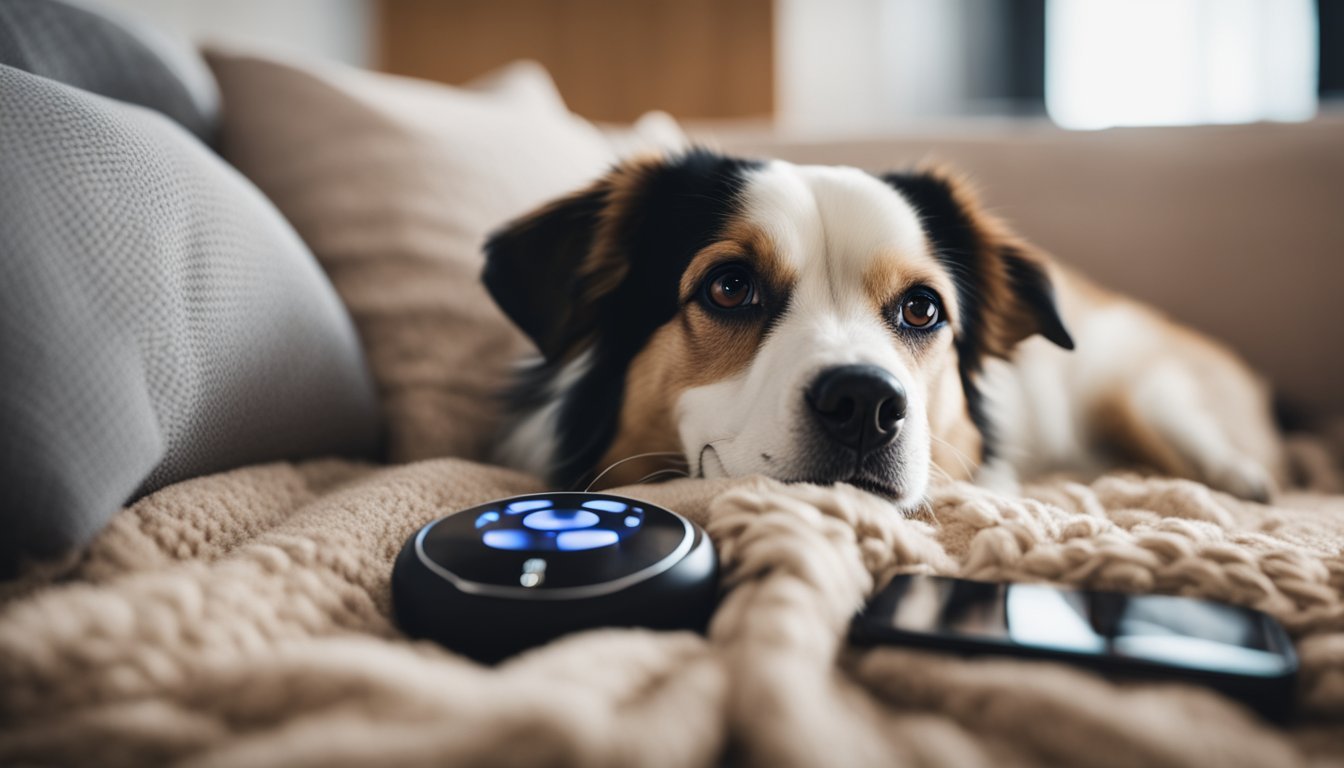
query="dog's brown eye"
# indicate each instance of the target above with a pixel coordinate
(920, 311)
(731, 288)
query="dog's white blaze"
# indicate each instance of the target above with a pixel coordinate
(828, 224)
(830, 218)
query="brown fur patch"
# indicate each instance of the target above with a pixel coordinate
(605, 265)
(602, 271)
(694, 349)
(1007, 316)
(957, 445)
(1121, 431)
(745, 242)
(891, 275)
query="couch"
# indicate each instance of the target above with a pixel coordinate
(246, 354)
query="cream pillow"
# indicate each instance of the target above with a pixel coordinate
(394, 184)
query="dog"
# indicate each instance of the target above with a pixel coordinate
(822, 324)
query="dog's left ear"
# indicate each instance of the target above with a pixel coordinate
(533, 266)
(1003, 286)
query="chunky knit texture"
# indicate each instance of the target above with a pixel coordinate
(243, 619)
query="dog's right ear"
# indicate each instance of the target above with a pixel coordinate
(1003, 284)
(533, 266)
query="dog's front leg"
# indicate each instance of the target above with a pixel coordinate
(1207, 424)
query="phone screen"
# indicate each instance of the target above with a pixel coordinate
(1154, 629)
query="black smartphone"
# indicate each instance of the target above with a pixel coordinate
(1243, 653)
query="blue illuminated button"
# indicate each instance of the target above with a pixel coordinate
(573, 541)
(508, 539)
(632, 521)
(487, 518)
(519, 507)
(606, 505)
(560, 520)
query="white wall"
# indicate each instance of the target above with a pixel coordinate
(333, 29)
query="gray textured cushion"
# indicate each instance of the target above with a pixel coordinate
(158, 319)
(111, 55)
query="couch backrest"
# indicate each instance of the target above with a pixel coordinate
(103, 52)
(1236, 230)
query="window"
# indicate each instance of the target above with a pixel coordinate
(1179, 62)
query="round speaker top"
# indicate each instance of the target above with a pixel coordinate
(554, 546)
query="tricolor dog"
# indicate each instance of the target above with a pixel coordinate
(821, 324)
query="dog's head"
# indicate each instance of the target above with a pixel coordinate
(807, 323)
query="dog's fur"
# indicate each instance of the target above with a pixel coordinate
(610, 284)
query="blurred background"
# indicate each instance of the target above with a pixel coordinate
(836, 66)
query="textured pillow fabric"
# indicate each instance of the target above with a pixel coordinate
(394, 183)
(110, 56)
(159, 320)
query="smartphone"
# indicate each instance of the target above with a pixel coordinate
(1243, 653)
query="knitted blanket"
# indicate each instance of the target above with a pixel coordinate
(244, 619)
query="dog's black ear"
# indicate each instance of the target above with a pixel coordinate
(533, 265)
(1003, 285)
(1031, 286)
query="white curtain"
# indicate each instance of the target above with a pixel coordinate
(1179, 62)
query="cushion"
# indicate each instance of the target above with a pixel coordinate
(159, 320)
(394, 183)
(112, 56)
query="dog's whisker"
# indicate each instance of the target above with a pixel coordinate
(963, 459)
(925, 510)
(651, 454)
(941, 473)
(651, 475)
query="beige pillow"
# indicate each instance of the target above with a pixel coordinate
(394, 183)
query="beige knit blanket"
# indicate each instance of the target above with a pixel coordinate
(243, 620)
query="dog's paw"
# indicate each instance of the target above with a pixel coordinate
(1243, 477)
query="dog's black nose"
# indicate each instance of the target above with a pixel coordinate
(859, 406)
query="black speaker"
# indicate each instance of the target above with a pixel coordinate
(511, 574)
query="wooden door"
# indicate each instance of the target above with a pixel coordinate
(612, 59)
